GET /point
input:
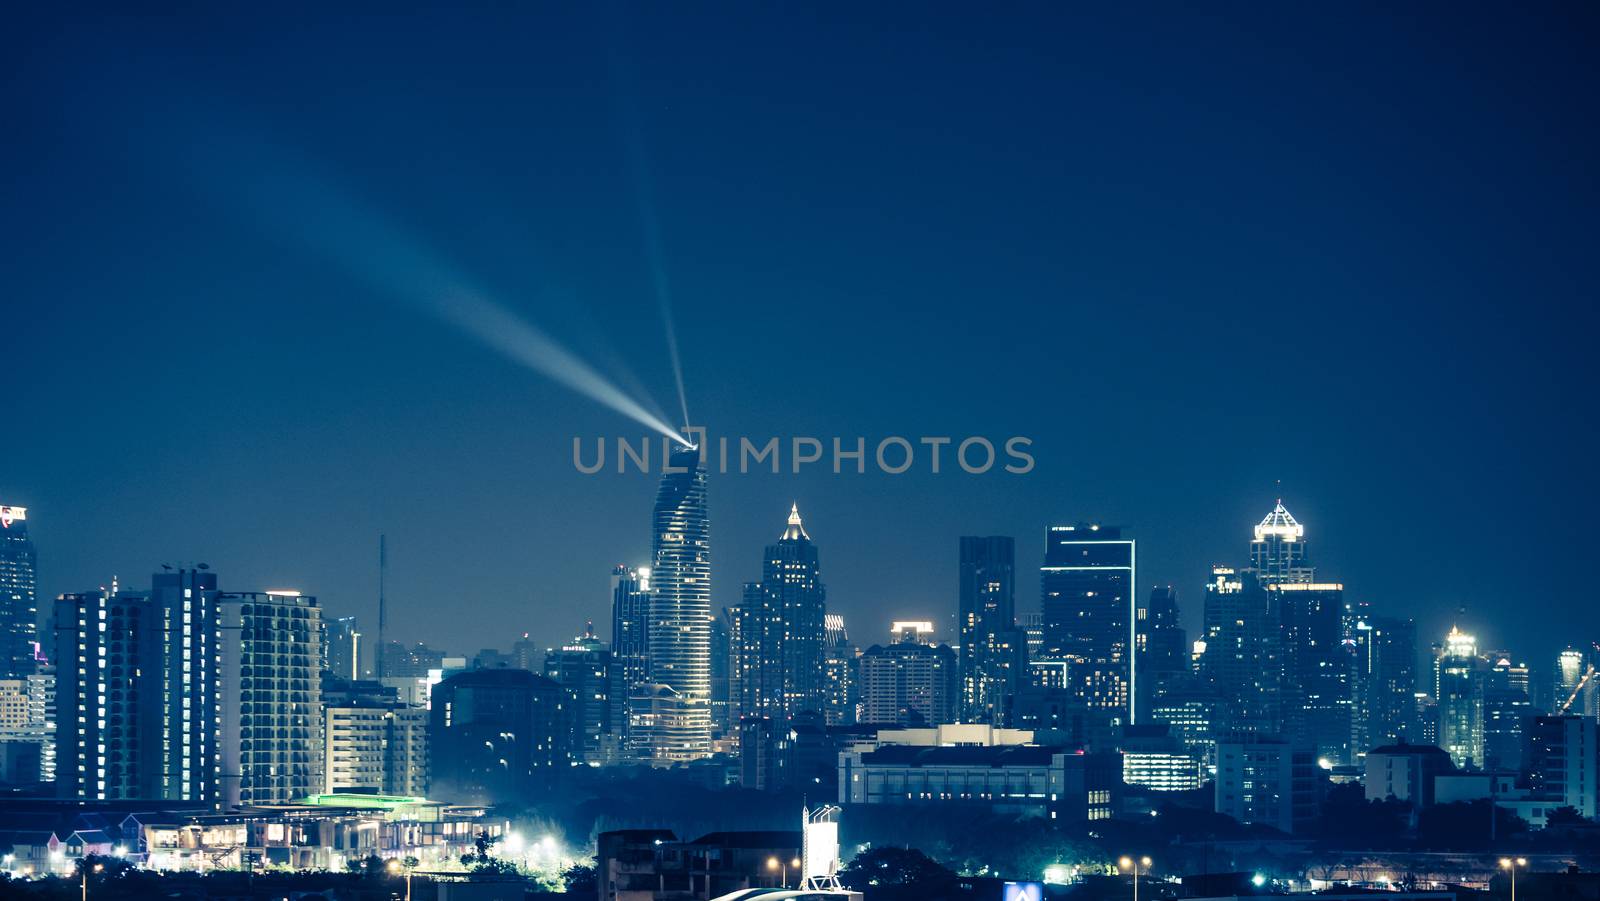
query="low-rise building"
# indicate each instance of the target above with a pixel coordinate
(1405, 772)
(1268, 780)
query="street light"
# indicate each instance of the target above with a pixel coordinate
(1128, 863)
(1507, 863)
(97, 868)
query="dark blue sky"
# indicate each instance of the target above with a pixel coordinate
(1188, 253)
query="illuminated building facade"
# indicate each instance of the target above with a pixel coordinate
(136, 683)
(377, 749)
(19, 604)
(1458, 689)
(269, 698)
(679, 625)
(782, 631)
(908, 683)
(992, 650)
(630, 643)
(1087, 585)
(840, 689)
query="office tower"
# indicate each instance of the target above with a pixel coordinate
(19, 605)
(341, 648)
(1506, 705)
(269, 697)
(1032, 627)
(1317, 668)
(679, 629)
(375, 748)
(1389, 682)
(1243, 656)
(724, 703)
(1458, 689)
(1161, 647)
(1575, 685)
(782, 631)
(1278, 550)
(136, 691)
(42, 718)
(909, 683)
(1195, 714)
(630, 639)
(1561, 760)
(1268, 780)
(582, 666)
(839, 681)
(992, 649)
(1087, 599)
(496, 736)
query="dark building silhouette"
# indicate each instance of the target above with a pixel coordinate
(19, 604)
(993, 650)
(497, 736)
(1087, 584)
(1161, 646)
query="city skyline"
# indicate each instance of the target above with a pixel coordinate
(1395, 274)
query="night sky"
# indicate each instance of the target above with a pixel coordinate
(1189, 253)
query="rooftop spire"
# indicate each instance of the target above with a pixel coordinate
(795, 529)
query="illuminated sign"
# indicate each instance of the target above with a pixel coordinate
(9, 515)
(1023, 891)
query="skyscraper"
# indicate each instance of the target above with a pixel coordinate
(1506, 707)
(1387, 680)
(269, 697)
(679, 629)
(1458, 688)
(1161, 647)
(1243, 656)
(341, 648)
(1278, 550)
(1087, 599)
(993, 651)
(782, 631)
(581, 666)
(630, 644)
(19, 606)
(1317, 668)
(136, 704)
(839, 674)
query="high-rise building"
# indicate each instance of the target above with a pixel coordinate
(909, 683)
(993, 651)
(1317, 668)
(840, 685)
(1458, 689)
(1242, 659)
(497, 736)
(19, 605)
(1161, 647)
(136, 678)
(375, 748)
(269, 697)
(1387, 682)
(1561, 761)
(582, 666)
(1278, 550)
(1087, 599)
(401, 662)
(782, 631)
(1575, 685)
(341, 648)
(679, 627)
(630, 643)
(724, 702)
(1506, 706)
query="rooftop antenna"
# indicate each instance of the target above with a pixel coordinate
(383, 602)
